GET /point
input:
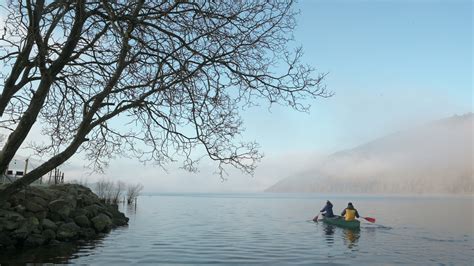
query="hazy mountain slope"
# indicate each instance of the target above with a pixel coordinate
(433, 158)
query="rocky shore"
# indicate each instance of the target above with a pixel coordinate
(54, 214)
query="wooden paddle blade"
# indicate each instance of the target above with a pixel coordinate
(369, 219)
(315, 219)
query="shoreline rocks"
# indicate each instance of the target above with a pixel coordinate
(42, 215)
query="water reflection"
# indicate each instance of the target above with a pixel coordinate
(349, 236)
(239, 230)
(329, 233)
(131, 209)
(60, 253)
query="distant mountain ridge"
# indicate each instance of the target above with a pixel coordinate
(433, 158)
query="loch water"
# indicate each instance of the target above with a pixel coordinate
(267, 228)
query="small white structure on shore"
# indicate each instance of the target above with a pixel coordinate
(20, 165)
(16, 169)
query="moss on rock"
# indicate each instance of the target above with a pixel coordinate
(45, 215)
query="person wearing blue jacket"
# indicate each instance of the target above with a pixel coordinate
(327, 210)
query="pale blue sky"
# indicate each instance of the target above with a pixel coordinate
(392, 64)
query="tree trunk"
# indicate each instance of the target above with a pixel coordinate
(43, 169)
(28, 119)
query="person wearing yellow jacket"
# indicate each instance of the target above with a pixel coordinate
(350, 213)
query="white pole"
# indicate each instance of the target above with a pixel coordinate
(26, 166)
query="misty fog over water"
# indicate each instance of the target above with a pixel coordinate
(435, 158)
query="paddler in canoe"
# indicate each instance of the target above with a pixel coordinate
(350, 213)
(347, 218)
(327, 210)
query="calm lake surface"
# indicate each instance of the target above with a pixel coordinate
(266, 228)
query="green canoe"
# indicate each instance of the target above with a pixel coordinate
(339, 221)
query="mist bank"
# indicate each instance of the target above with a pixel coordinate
(435, 158)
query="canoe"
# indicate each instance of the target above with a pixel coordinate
(339, 221)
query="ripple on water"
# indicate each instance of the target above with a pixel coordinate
(264, 230)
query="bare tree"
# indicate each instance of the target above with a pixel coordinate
(133, 191)
(103, 189)
(100, 77)
(109, 191)
(117, 192)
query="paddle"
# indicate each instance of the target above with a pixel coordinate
(315, 219)
(369, 219)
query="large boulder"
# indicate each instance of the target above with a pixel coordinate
(34, 240)
(43, 193)
(11, 215)
(108, 214)
(48, 224)
(10, 224)
(19, 208)
(49, 234)
(47, 215)
(16, 199)
(101, 222)
(41, 215)
(20, 234)
(26, 228)
(87, 233)
(120, 221)
(69, 192)
(118, 218)
(72, 200)
(33, 206)
(28, 214)
(40, 201)
(61, 207)
(57, 204)
(55, 217)
(67, 231)
(92, 210)
(33, 221)
(82, 221)
(78, 212)
(6, 240)
(5, 205)
(88, 199)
